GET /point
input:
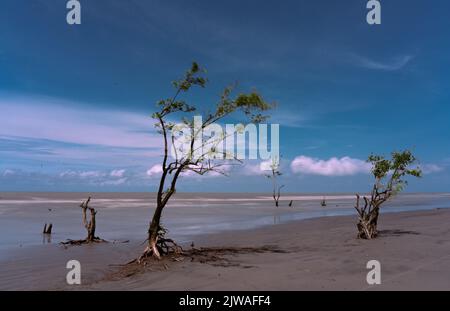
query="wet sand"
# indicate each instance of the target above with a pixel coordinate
(316, 254)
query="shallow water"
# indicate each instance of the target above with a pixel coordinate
(125, 216)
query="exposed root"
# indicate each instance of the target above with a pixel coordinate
(367, 230)
(215, 256)
(158, 246)
(162, 247)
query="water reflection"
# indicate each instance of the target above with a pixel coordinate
(46, 238)
(276, 219)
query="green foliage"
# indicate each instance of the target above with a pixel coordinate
(390, 174)
(390, 178)
(251, 104)
(192, 77)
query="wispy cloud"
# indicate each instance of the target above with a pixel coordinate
(117, 173)
(83, 174)
(59, 120)
(286, 119)
(50, 133)
(393, 64)
(115, 182)
(101, 179)
(8, 172)
(431, 168)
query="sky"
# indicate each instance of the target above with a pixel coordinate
(76, 100)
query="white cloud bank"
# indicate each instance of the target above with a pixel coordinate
(345, 166)
(154, 170)
(101, 178)
(257, 169)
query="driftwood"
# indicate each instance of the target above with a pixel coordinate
(89, 225)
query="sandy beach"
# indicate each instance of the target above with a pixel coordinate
(224, 146)
(315, 254)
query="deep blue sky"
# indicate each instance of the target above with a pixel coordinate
(75, 100)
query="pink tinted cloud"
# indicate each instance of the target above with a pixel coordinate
(332, 167)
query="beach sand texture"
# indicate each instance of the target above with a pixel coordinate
(312, 254)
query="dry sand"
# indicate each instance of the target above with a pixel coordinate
(316, 254)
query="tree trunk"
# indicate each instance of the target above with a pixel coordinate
(158, 245)
(154, 231)
(47, 230)
(91, 227)
(367, 226)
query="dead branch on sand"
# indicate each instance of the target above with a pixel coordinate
(89, 225)
(216, 256)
